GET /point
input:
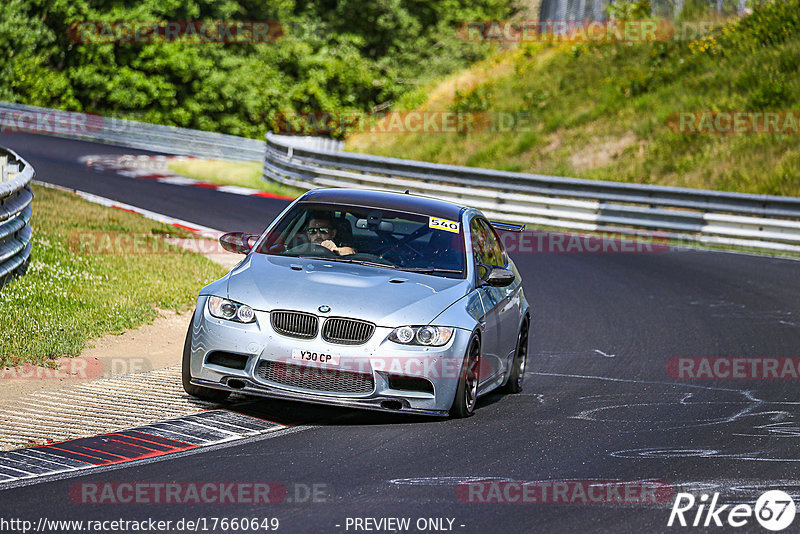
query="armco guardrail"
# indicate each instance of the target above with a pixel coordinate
(15, 214)
(155, 137)
(711, 217)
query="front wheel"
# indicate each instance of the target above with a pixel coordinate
(206, 394)
(517, 376)
(467, 391)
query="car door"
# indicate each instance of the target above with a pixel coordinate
(509, 311)
(484, 252)
(506, 300)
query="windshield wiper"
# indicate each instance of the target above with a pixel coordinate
(349, 260)
(430, 270)
(424, 270)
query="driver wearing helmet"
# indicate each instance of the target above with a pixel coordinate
(322, 231)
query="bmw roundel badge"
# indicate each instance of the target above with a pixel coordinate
(324, 309)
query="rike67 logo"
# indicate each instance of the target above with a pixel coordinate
(774, 510)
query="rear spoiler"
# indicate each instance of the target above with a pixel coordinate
(505, 227)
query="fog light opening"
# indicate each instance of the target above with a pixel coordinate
(235, 383)
(410, 383)
(392, 405)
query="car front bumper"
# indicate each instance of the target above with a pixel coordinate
(393, 369)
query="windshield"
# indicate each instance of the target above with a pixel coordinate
(368, 236)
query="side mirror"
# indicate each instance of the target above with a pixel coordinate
(238, 242)
(492, 275)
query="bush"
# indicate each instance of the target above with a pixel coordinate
(354, 54)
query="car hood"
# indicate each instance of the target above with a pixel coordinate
(383, 296)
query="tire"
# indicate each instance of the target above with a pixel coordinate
(467, 391)
(206, 394)
(517, 376)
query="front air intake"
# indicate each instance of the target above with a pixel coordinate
(316, 378)
(228, 359)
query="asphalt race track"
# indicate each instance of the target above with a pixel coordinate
(56, 161)
(599, 406)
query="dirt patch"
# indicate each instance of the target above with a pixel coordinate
(599, 153)
(153, 346)
(554, 144)
(441, 97)
(210, 248)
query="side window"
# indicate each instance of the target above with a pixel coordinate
(495, 250)
(478, 242)
(485, 245)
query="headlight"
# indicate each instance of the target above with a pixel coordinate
(232, 311)
(430, 336)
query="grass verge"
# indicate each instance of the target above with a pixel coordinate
(94, 270)
(608, 111)
(244, 174)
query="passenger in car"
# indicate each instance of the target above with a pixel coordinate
(322, 230)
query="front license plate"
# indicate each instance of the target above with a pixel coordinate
(315, 357)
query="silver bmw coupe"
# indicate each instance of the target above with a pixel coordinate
(364, 299)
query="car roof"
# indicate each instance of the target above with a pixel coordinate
(385, 200)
